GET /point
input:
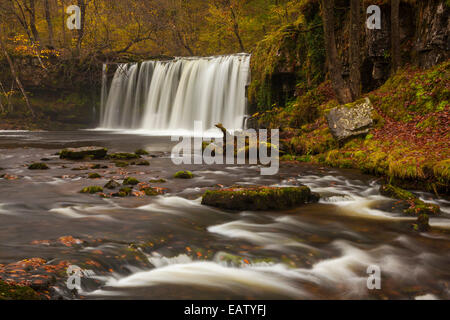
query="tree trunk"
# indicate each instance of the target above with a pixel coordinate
(14, 74)
(355, 48)
(341, 89)
(48, 18)
(236, 29)
(82, 5)
(32, 13)
(395, 34)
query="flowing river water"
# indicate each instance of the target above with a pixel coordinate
(172, 247)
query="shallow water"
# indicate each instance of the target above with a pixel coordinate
(172, 247)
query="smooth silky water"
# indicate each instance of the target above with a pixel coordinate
(318, 251)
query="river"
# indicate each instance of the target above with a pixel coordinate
(172, 247)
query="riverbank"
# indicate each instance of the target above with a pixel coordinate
(408, 144)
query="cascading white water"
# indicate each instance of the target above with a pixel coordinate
(171, 95)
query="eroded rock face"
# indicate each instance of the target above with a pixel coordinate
(259, 198)
(349, 121)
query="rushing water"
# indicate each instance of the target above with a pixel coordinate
(171, 95)
(189, 251)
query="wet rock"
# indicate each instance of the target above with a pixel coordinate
(423, 223)
(183, 175)
(112, 184)
(259, 198)
(130, 181)
(124, 156)
(17, 292)
(92, 190)
(141, 152)
(84, 153)
(414, 206)
(94, 176)
(121, 164)
(158, 181)
(38, 166)
(350, 120)
(143, 163)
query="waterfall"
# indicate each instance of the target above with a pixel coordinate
(171, 95)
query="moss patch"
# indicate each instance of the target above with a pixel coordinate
(92, 190)
(259, 198)
(15, 292)
(183, 175)
(38, 166)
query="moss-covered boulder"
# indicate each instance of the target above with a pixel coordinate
(130, 181)
(143, 163)
(157, 181)
(83, 153)
(416, 207)
(124, 156)
(38, 166)
(94, 175)
(183, 175)
(92, 190)
(121, 164)
(259, 198)
(16, 292)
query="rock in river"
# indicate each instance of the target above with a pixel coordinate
(259, 198)
(82, 153)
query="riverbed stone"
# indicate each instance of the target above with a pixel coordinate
(92, 152)
(259, 198)
(112, 184)
(350, 120)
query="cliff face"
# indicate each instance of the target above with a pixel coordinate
(424, 34)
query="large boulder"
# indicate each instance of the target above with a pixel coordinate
(350, 120)
(83, 153)
(259, 198)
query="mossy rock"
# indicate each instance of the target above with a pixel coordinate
(112, 184)
(183, 175)
(121, 164)
(390, 191)
(92, 190)
(15, 292)
(143, 163)
(423, 223)
(130, 181)
(141, 152)
(416, 206)
(94, 176)
(259, 198)
(153, 191)
(38, 166)
(124, 156)
(126, 190)
(83, 153)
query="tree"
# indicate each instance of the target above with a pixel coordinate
(48, 18)
(355, 48)
(341, 88)
(395, 35)
(13, 72)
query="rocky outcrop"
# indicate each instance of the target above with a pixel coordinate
(350, 120)
(259, 198)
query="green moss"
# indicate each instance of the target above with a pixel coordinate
(112, 184)
(121, 164)
(416, 206)
(83, 153)
(38, 166)
(183, 175)
(123, 156)
(92, 189)
(131, 181)
(15, 292)
(143, 163)
(94, 176)
(441, 171)
(141, 152)
(126, 191)
(407, 168)
(259, 198)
